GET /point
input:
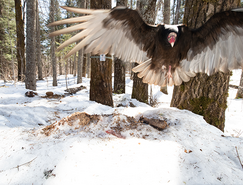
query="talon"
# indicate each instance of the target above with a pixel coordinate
(169, 75)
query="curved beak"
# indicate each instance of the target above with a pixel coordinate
(172, 38)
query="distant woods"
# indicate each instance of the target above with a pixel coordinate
(27, 54)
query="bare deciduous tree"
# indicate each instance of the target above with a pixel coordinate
(119, 66)
(101, 72)
(147, 10)
(38, 44)
(53, 45)
(240, 88)
(30, 81)
(20, 39)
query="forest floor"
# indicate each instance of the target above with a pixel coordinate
(67, 139)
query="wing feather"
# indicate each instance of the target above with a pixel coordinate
(70, 29)
(217, 45)
(79, 10)
(72, 20)
(176, 77)
(75, 38)
(120, 31)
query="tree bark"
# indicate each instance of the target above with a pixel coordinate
(119, 66)
(81, 4)
(38, 44)
(240, 88)
(166, 12)
(30, 81)
(2, 47)
(101, 72)
(53, 45)
(75, 65)
(84, 66)
(80, 62)
(140, 89)
(20, 39)
(60, 65)
(158, 8)
(121, 3)
(204, 95)
(177, 15)
(88, 65)
(119, 76)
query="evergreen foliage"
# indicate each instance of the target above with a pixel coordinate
(7, 35)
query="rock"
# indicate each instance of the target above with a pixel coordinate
(30, 94)
(49, 93)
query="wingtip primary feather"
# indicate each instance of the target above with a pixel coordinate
(69, 29)
(71, 20)
(78, 10)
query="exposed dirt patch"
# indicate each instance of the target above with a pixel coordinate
(115, 124)
(50, 94)
(76, 120)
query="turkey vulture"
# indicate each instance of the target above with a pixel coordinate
(165, 53)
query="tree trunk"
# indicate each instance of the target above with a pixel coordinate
(166, 12)
(88, 65)
(119, 66)
(101, 72)
(158, 8)
(173, 11)
(80, 62)
(119, 76)
(30, 81)
(60, 65)
(53, 45)
(204, 95)
(177, 15)
(140, 89)
(84, 66)
(81, 4)
(75, 65)
(2, 34)
(20, 39)
(240, 88)
(71, 66)
(38, 44)
(121, 3)
(131, 3)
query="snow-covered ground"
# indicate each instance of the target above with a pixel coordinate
(188, 151)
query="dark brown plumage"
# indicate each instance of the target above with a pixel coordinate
(165, 53)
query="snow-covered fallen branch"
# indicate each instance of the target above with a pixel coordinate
(238, 156)
(19, 165)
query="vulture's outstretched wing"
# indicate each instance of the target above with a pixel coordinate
(217, 45)
(120, 32)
